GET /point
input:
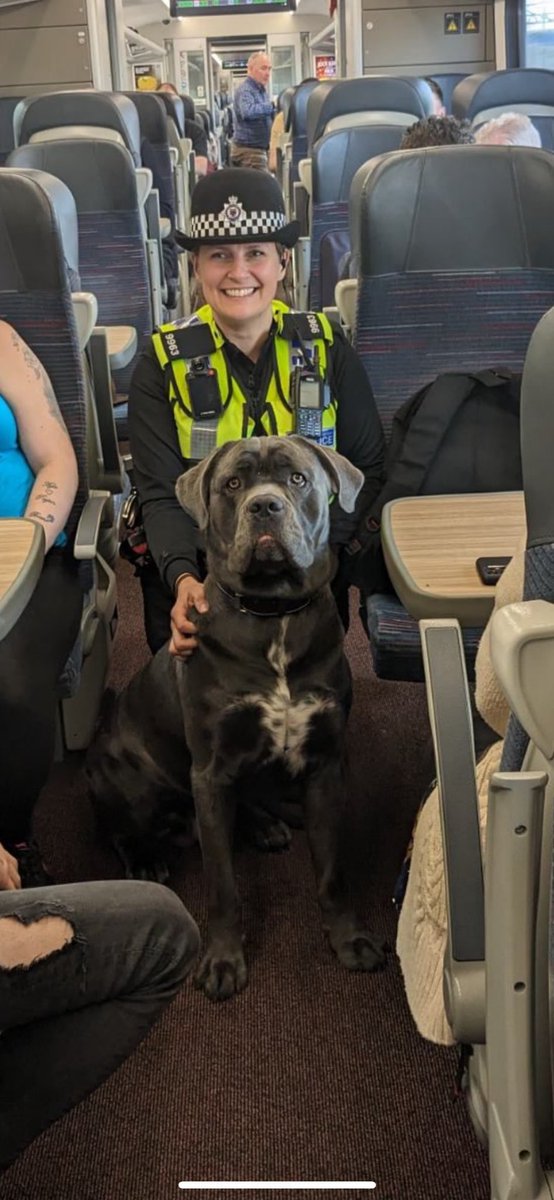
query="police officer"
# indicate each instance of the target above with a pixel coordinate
(243, 365)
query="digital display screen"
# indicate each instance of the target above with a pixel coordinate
(212, 8)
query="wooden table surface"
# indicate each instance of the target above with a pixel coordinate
(21, 558)
(431, 544)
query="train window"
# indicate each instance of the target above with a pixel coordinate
(282, 68)
(539, 34)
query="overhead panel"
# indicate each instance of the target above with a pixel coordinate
(415, 37)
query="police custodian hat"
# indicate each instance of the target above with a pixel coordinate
(238, 204)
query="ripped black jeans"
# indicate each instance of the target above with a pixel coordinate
(115, 956)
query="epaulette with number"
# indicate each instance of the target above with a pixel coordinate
(191, 341)
(307, 325)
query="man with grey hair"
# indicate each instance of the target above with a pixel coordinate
(509, 129)
(253, 112)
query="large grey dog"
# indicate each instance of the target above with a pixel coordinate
(265, 694)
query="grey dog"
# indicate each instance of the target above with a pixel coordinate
(265, 693)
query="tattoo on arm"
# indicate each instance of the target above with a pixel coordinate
(47, 517)
(46, 500)
(32, 362)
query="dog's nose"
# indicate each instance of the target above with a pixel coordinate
(268, 505)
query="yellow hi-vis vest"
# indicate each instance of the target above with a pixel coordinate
(180, 345)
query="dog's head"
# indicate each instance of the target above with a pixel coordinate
(264, 506)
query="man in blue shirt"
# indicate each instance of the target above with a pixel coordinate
(253, 115)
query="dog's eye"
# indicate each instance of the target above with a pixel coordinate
(298, 479)
(233, 483)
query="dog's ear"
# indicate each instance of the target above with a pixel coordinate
(193, 488)
(346, 480)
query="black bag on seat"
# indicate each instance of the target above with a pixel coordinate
(458, 434)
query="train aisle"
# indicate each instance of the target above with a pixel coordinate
(311, 1073)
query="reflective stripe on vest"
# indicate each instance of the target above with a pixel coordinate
(198, 438)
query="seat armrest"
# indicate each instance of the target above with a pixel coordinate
(85, 308)
(452, 729)
(165, 227)
(346, 298)
(122, 344)
(88, 529)
(144, 184)
(305, 174)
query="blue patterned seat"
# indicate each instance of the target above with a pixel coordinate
(446, 283)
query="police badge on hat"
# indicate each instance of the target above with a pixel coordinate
(238, 204)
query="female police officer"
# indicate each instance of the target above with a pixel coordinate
(244, 365)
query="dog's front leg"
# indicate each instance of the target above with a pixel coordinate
(222, 972)
(354, 946)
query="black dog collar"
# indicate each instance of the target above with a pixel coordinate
(259, 606)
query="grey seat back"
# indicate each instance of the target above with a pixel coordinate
(101, 178)
(84, 110)
(175, 109)
(297, 122)
(395, 100)
(480, 98)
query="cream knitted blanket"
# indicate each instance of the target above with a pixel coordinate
(421, 939)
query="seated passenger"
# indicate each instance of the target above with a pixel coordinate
(238, 352)
(509, 129)
(422, 926)
(38, 480)
(85, 971)
(193, 131)
(439, 107)
(437, 131)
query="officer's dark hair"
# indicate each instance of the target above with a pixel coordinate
(437, 131)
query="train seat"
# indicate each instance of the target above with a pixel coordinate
(499, 959)
(155, 154)
(38, 273)
(113, 265)
(8, 104)
(335, 159)
(479, 98)
(297, 122)
(372, 99)
(79, 114)
(447, 283)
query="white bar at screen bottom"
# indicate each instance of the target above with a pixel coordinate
(275, 1186)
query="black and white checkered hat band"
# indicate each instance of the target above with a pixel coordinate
(253, 224)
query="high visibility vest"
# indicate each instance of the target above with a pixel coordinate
(208, 403)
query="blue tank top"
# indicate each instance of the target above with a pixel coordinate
(16, 476)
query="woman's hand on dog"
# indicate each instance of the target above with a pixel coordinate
(9, 873)
(190, 594)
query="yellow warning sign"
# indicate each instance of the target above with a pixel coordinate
(471, 21)
(452, 22)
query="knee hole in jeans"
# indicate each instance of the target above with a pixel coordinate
(23, 944)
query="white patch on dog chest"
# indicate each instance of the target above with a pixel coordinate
(287, 721)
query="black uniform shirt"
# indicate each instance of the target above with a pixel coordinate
(172, 535)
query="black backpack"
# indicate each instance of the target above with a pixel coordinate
(458, 434)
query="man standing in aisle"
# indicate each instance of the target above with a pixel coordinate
(253, 114)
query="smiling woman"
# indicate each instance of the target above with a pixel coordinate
(245, 365)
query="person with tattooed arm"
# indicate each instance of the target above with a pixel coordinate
(38, 480)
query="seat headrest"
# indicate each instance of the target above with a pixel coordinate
(8, 104)
(152, 116)
(503, 90)
(372, 93)
(453, 208)
(100, 175)
(338, 154)
(284, 102)
(175, 109)
(188, 106)
(298, 111)
(38, 232)
(113, 110)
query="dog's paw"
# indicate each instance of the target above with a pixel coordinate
(263, 831)
(358, 950)
(221, 974)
